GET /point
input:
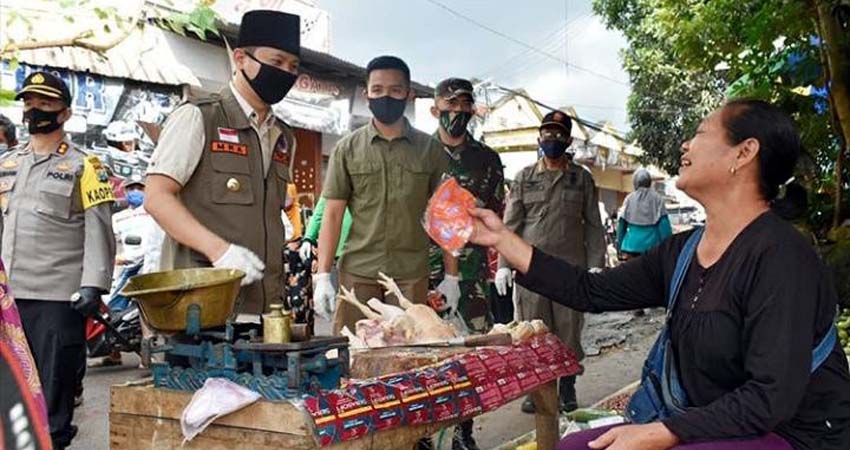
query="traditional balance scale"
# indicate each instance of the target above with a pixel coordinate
(191, 311)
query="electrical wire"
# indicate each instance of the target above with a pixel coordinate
(522, 43)
(562, 32)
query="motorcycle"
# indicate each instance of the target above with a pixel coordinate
(119, 327)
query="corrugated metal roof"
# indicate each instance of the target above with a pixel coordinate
(143, 56)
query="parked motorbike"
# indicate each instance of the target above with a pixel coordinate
(122, 330)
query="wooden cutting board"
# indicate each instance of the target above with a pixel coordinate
(383, 361)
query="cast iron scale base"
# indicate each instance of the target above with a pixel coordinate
(275, 371)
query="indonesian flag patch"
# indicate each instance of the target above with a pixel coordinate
(228, 135)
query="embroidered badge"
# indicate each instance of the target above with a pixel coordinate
(228, 135)
(227, 147)
(281, 150)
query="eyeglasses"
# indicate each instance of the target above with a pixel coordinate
(552, 135)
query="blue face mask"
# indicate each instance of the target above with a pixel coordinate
(553, 149)
(135, 198)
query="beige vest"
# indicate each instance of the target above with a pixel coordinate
(229, 195)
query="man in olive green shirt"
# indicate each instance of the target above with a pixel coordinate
(384, 172)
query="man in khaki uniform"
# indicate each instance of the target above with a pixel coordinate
(57, 240)
(553, 205)
(217, 179)
(384, 173)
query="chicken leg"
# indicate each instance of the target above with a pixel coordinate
(429, 326)
(348, 296)
(392, 288)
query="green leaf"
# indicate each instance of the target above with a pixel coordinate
(69, 19)
(177, 27)
(106, 28)
(100, 13)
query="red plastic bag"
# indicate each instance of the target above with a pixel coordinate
(447, 220)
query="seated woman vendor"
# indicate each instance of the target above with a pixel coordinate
(753, 359)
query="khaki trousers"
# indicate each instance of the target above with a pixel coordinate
(415, 290)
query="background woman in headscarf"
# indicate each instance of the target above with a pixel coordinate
(644, 223)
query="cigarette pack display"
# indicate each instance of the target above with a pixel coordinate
(353, 411)
(414, 397)
(388, 411)
(489, 395)
(326, 426)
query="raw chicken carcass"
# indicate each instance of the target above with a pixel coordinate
(429, 326)
(379, 330)
(388, 325)
(354, 342)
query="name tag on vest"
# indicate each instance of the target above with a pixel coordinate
(227, 147)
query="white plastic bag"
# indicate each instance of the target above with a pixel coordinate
(218, 397)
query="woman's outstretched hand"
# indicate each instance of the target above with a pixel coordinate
(488, 228)
(653, 436)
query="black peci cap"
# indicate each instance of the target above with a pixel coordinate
(275, 29)
(558, 119)
(46, 84)
(454, 87)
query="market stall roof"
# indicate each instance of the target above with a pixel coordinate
(605, 138)
(322, 63)
(143, 56)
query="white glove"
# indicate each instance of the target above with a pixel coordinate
(450, 288)
(324, 295)
(504, 278)
(240, 258)
(306, 250)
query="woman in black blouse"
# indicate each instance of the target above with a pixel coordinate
(754, 303)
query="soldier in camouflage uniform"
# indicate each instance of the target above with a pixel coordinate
(463, 279)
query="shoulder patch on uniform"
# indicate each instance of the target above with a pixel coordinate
(281, 151)
(63, 148)
(95, 187)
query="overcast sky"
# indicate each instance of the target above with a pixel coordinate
(437, 44)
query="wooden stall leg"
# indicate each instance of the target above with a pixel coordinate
(546, 415)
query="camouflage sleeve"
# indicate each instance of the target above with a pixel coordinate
(496, 186)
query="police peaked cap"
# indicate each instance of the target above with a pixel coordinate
(275, 29)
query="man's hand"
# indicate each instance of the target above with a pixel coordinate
(240, 258)
(504, 278)
(306, 250)
(652, 436)
(324, 295)
(450, 288)
(89, 302)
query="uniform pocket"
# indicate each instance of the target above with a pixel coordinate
(55, 199)
(534, 203)
(6, 185)
(415, 182)
(573, 202)
(364, 176)
(231, 162)
(232, 189)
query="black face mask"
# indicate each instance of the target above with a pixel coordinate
(553, 149)
(386, 109)
(270, 84)
(42, 122)
(455, 125)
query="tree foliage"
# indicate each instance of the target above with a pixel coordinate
(685, 57)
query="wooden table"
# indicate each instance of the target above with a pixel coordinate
(144, 418)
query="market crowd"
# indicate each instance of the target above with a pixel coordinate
(749, 310)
